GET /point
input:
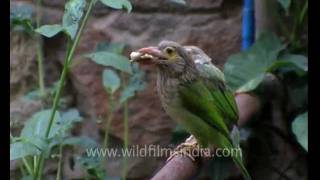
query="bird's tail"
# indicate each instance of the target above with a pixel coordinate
(237, 157)
(238, 161)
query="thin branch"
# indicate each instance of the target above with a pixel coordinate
(180, 167)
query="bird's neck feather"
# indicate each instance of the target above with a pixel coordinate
(171, 76)
(181, 70)
(168, 82)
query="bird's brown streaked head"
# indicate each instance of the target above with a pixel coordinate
(166, 53)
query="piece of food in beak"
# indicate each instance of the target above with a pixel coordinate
(136, 56)
(141, 58)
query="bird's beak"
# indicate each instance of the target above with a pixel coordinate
(153, 51)
(147, 55)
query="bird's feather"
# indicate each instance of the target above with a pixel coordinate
(193, 92)
(222, 95)
(208, 98)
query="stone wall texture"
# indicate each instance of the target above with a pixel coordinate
(213, 25)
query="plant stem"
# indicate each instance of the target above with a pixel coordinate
(38, 13)
(42, 91)
(58, 176)
(35, 161)
(298, 19)
(39, 51)
(125, 139)
(21, 167)
(303, 12)
(68, 59)
(27, 165)
(11, 137)
(109, 120)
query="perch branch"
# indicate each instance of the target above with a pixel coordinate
(182, 168)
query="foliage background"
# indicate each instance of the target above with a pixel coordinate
(214, 26)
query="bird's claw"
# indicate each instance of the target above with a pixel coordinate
(185, 149)
(183, 153)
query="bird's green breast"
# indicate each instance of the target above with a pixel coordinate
(168, 90)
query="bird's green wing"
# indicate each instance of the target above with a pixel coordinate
(223, 98)
(208, 98)
(198, 99)
(213, 105)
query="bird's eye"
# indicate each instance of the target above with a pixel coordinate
(169, 50)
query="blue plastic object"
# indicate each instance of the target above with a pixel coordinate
(247, 24)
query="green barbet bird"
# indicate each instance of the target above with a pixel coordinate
(193, 92)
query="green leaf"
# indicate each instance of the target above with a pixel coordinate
(111, 59)
(285, 4)
(300, 129)
(267, 47)
(112, 177)
(251, 84)
(60, 128)
(118, 4)
(73, 12)
(71, 116)
(32, 95)
(49, 30)
(290, 62)
(299, 60)
(92, 165)
(110, 80)
(135, 83)
(27, 178)
(20, 11)
(37, 124)
(21, 149)
(116, 48)
(21, 16)
(71, 30)
(70, 20)
(39, 142)
(179, 2)
(68, 119)
(244, 71)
